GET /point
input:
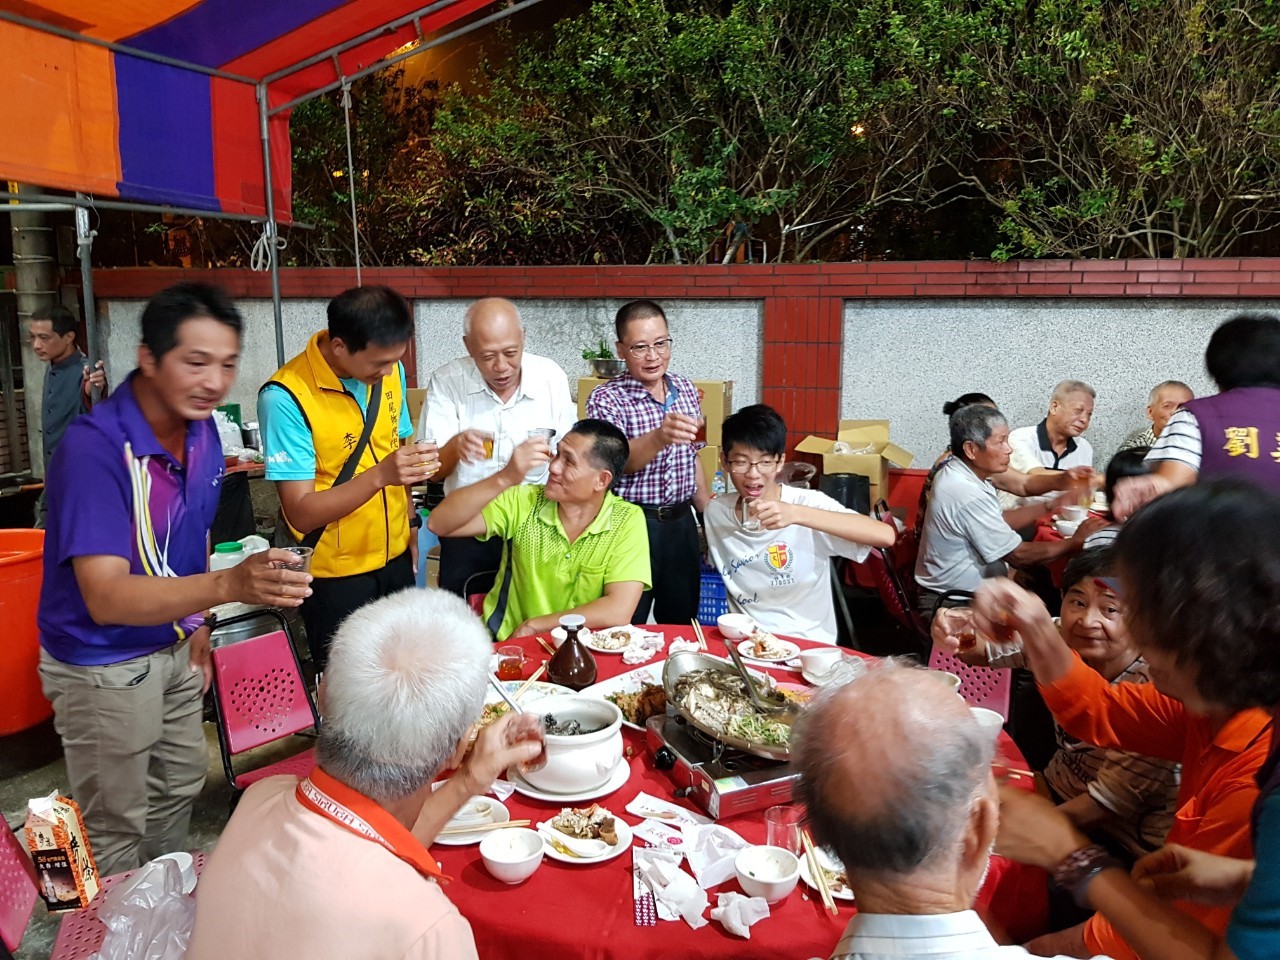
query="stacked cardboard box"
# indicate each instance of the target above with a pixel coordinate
(872, 453)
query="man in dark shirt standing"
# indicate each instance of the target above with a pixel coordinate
(68, 383)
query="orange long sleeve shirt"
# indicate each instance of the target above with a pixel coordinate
(1218, 769)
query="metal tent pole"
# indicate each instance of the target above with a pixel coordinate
(273, 257)
(84, 249)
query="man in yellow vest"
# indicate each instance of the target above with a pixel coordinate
(343, 399)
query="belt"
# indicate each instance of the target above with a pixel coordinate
(673, 511)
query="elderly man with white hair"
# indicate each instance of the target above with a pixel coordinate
(915, 837)
(481, 407)
(1057, 442)
(336, 864)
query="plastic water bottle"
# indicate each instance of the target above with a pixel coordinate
(717, 484)
(227, 555)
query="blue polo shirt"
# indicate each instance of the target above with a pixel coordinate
(112, 489)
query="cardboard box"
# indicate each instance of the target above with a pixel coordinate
(869, 436)
(716, 397)
(415, 398)
(60, 849)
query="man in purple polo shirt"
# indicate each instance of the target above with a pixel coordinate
(1235, 432)
(133, 489)
(661, 415)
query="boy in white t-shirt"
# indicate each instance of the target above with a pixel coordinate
(772, 544)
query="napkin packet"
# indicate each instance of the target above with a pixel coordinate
(648, 807)
(737, 913)
(675, 894)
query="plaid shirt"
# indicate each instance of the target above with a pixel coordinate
(669, 477)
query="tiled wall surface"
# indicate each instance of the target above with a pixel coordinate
(817, 340)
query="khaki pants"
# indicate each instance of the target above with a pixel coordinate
(135, 750)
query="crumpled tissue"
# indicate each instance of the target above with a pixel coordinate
(643, 646)
(674, 891)
(737, 913)
(683, 646)
(711, 850)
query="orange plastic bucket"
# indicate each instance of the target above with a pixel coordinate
(22, 704)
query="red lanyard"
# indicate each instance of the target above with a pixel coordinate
(351, 809)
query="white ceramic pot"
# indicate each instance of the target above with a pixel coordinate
(584, 762)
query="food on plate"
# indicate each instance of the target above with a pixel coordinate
(763, 645)
(492, 711)
(837, 882)
(719, 701)
(565, 728)
(649, 701)
(587, 823)
(796, 696)
(614, 639)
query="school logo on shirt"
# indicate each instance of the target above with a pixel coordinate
(779, 556)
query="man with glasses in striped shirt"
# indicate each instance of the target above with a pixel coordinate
(661, 416)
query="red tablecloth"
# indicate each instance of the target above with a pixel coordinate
(1046, 532)
(566, 912)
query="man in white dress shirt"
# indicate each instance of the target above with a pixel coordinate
(1056, 442)
(479, 408)
(914, 838)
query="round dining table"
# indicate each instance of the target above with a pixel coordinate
(586, 911)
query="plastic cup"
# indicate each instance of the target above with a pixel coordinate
(782, 827)
(544, 434)
(303, 562)
(488, 446)
(510, 663)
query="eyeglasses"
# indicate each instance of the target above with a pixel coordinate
(659, 348)
(762, 466)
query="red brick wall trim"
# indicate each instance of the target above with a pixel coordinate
(1251, 277)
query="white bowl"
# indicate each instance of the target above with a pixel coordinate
(511, 855)
(735, 626)
(1067, 528)
(186, 866)
(947, 678)
(988, 720)
(1073, 514)
(768, 872)
(820, 660)
(558, 636)
(586, 761)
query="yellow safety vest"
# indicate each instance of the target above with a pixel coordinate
(378, 531)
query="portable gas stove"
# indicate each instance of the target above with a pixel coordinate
(721, 780)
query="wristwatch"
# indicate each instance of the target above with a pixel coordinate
(210, 621)
(1077, 870)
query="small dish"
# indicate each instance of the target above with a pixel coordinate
(785, 651)
(513, 854)
(625, 837)
(768, 872)
(839, 886)
(990, 721)
(497, 814)
(735, 626)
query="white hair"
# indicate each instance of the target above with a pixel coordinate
(1068, 387)
(471, 310)
(1168, 385)
(406, 678)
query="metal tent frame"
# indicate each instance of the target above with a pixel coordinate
(81, 203)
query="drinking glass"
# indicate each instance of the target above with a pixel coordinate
(510, 663)
(782, 827)
(488, 446)
(302, 563)
(424, 440)
(750, 522)
(542, 433)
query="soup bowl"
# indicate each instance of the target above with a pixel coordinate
(581, 762)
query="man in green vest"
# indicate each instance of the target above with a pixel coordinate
(341, 399)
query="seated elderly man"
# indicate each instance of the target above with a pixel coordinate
(914, 838)
(335, 864)
(966, 536)
(1163, 403)
(573, 546)
(1055, 443)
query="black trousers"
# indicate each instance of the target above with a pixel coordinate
(333, 598)
(462, 557)
(675, 568)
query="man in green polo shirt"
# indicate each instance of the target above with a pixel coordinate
(573, 547)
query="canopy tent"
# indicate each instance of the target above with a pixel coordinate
(186, 103)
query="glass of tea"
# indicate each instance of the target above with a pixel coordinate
(510, 663)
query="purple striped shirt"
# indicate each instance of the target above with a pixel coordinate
(670, 477)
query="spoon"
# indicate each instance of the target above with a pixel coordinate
(785, 708)
(583, 848)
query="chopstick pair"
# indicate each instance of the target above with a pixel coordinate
(815, 871)
(512, 698)
(546, 646)
(483, 828)
(697, 632)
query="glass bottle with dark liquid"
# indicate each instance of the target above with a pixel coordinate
(573, 666)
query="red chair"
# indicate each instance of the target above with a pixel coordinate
(897, 602)
(981, 686)
(260, 696)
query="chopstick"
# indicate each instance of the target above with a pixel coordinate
(502, 692)
(546, 646)
(458, 831)
(697, 632)
(819, 878)
(528, 683)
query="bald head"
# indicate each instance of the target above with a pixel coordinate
(493, 334)
(929, 760)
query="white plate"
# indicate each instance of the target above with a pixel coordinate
(539, 688)
(825, 860)
(497, 814)
(621, 774)
(622, 846)
(629, 682)
(787, 648)
(591, 643)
